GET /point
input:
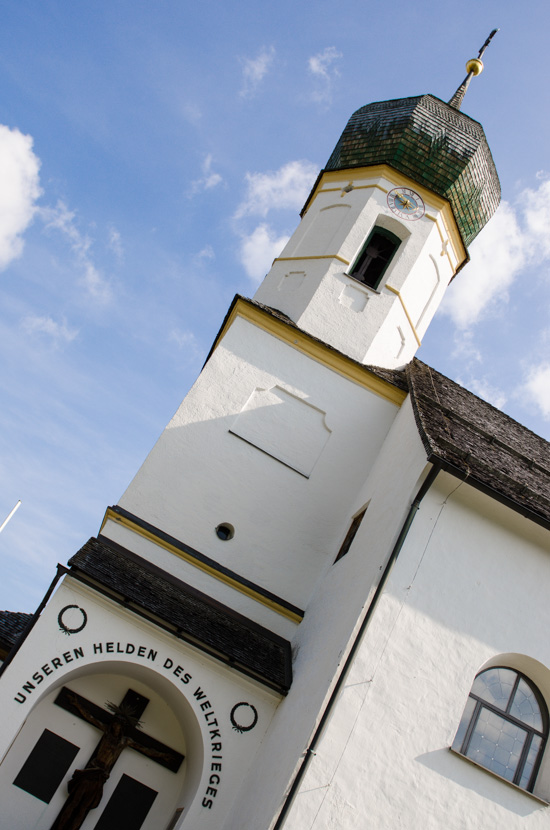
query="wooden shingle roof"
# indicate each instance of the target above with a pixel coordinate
(12, 625)
(481, 444)
(178, 607)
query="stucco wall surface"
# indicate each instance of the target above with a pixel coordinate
(200, 473)
(310, 282)
(322, 639)
(468, 591)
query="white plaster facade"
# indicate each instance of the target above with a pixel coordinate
(468, 592)
(333, 616)
(287, 524)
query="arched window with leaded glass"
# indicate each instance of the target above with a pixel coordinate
(504, 726)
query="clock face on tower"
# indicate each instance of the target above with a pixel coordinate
(406, 203)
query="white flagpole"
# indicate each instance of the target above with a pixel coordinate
(4, 523)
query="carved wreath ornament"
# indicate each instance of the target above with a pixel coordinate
(250, 718)
(63, 625)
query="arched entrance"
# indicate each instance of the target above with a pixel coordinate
(151, 775)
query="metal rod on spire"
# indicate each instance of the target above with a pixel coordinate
(473, 67)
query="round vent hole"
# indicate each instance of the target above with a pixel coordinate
(225, 532)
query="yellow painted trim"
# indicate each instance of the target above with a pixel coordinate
(370, 187)
(358, 174)
(320, 352)
(444, 243)
(404, 307)
(381, 171)
(202, 566)
(355, 187)
(445, 238)
(320, 256)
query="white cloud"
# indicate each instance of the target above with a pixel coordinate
(207, 181)
(285, 188)
(489, 393)
(64, 220)
(115, 243)
(535, 205)
(192, 114)
(186, 341)
(517, 236)
(259, 249)
(58, 332)
(183, 338)
(466, 349)
(97, 288)
(321, 66)
(537, 388)
(255, 70)
(20, 189)
(205, 254)
(497, 255)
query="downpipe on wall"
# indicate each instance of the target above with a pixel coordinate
(310, 751)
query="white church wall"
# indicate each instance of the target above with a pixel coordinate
(192, 710)
(321, 640)
(467, 592)
(200, 474)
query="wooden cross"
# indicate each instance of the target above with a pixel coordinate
(120, 727)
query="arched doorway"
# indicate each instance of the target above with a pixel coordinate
(151, 778)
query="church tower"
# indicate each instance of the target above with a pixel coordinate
(409, 185)
(179, 666)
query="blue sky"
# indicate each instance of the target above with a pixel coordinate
(153, 160)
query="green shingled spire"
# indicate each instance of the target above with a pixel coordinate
(435, 145)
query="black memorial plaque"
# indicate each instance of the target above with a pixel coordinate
(127, 807)
(46, 766)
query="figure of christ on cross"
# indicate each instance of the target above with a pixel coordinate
(120, 727)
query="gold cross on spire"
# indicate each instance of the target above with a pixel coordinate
(473, 67)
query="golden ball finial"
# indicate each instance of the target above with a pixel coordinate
(475, 66)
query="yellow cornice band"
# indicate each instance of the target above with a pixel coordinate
(404, 307)
(197, 563)
(355, 187)
(320, 256)
(320, 352)
(359, 174)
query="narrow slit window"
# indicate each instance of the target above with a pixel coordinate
(375, 256)
(350, 535)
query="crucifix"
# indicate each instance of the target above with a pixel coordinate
(120, 725)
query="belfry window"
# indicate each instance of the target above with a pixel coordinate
(375, 256)
(504, 726)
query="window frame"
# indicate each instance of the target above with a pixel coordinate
(481, 703)
(351, 533)
(356, 269)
